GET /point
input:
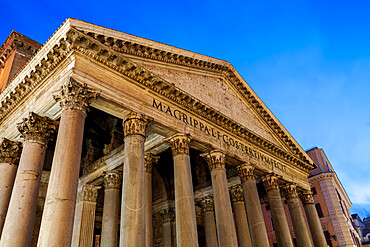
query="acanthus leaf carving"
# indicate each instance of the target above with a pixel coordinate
(10, 151)
(150, 160)
(135, 124)
(215, 159)
(271, 182)
(290, 191)
(246, 172)
(307, 197)
(236, 193)
(180, 143)
(207, 204)
(112, 180)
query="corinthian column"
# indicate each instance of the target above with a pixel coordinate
(57, 219)
(186, 224)
(313, 220)
(296, 214)
(168, 216)
(133, 187)
(253, 206)
(109, 232)
(209, 221)
(277, 211)
(224, 215)
(150, 160)
(9, 158)
(36, 131)
(83, 228)
(244, 238)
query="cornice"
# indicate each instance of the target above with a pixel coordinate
(70, 39)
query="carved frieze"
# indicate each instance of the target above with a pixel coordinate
(307, 197)
(180, 143)
(135, 124)
(75, 95)
(37, 128)
(150, 160)
(271, 182)
(88, 193)
(236, 193)
(290, 191)
(10, 151)
(112, 180)
(215, 159)
(246, 172)
(207, 204)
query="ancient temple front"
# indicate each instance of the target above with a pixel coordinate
(115, 140)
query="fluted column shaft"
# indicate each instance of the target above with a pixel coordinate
(314, 223)
(150, 160)
(224, 216)
(9, 157)
(209, 222)
(83, 227)
(18, 226)
(242, 228)
(60, 201)
(132, 233)
(253, 205)
(277, 211)
(109, 232)
(186, 225)
(296, 214)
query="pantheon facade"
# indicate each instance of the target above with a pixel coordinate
(115, 140)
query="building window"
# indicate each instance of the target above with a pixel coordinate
(327, 237)
(313, 190)
(319, 211)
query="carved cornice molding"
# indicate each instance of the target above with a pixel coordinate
(180, 143)
(135, 124)
(215, 159)
(207, 204)
(246, 172)
(10, 151)
(75, 95)
(150, 160)
(290, 191)
(167, 215)
(88, 193)
(271, 182)
(236, 193)
(307, 197)
(112, 180)
(37, 128)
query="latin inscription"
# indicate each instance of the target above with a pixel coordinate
(195, 123)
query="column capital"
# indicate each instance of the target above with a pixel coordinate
(37, 128)
(10, 151)
(236, 193)
(112, 180)
(207, 204)
(167, 215)
(307, 197)
(215, 159)
(88, 193)
(179, 143)
(150, 160)
(75, 95)
(246, 172)
(135, 124)
(271, 182)
(290, 191)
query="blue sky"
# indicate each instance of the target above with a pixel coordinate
(307, 60)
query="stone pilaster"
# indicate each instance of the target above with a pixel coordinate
(168, 218)
(9, 157)
(224, 216)
(277, 211)
(132, 231)
(242, 228)
(209, 221)
(314, 223)
(59, 211)
(253, 205)
(296, 214)
(36, 131)
(186, 225)
(150, 160)
(109, 232)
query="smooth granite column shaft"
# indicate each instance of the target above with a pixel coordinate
(60, 201)
(186, 225)
(314, 223)
(277, 211)
(253, 206)
(296, 214)
(209, 222)
(110, 226)
(20, 217)
(168, 216)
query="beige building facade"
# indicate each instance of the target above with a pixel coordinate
(124, 141)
